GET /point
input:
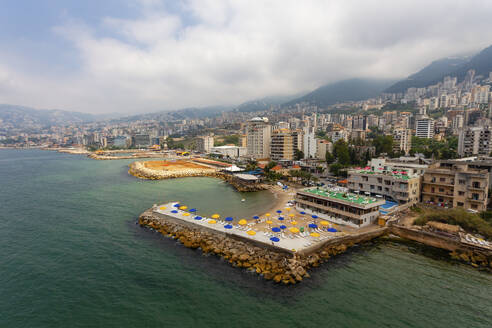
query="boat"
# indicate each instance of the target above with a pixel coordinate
(243, 200)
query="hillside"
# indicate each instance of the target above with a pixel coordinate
(342, 91)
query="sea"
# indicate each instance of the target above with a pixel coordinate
(72, 255)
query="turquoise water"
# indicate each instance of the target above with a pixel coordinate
(72, 256)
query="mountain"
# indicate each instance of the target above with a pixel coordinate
(342, 91)
(20, 116)
(265, 103)
(437, 70)
(433, 72)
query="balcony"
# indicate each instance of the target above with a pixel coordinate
(449, 195)
(438, 183)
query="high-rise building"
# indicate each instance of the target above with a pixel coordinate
(309, 143)
(141, 140)
(475, 141)
(424, 128)
(282, 145)
(258, 134)
(402, 140)
(205, 144)
(322, 147)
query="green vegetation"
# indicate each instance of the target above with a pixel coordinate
(341, 152)
(298, 155)
(227, 140)
(383, 144)
(468, 221)
(446, 149)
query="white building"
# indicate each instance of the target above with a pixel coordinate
(259, 134)
(205, 144)
(230, 151)
(424, 128)
(402, 140)
(475, 141)
(309, 143)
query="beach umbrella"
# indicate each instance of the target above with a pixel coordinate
(292, 215)
(294, 230)
(267, 215)
(314, 234)
(162, 207)
(288, 208)
(283, 227)
(313, 226)
(198, 217)
(212, 222)
(276, 229)
(256, 217)
(186, 214)
(251, 232)
(193, 210)
(314, 216)
(183, 207)
(279, 211)
(294, 223)
(303, 213)
(281, 218)
(215, 216)
(325, 223)
(275, 239)
(174, 211)
(229, 219)
(243, 222)
(228, 226)
(176, 205)
(332, 230)
(269, 222)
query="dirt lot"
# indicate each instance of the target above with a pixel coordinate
(172, 165)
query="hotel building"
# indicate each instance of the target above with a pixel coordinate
(258, 134)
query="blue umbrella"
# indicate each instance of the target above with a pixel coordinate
(256, 217)
(176, 205)
(275, 239)
(283, 227)
(192, 210)
(276, 229)
(332, 230)
(279, 211)
(198, 217)
(303, 213)
(314, 216)
(313, 226)
(174, 211)
(229, 219)
(228, 226)
(281, 218)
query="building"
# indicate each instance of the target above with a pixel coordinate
(309, 143)
(399, 186)
(343, 208)
(402, 140)
(455, 184)
(424, 128)
(141, 140)
(205, 144)
(323, 147)
(229, 151)
(282, 145)
(258, 133)
(475, 141)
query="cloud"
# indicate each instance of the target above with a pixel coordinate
(201, 53)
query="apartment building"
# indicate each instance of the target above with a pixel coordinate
(402, 140)
(455, 184)
(475, 141)
(204, 144)
(258, 133)
(282, 145)
(424, 128)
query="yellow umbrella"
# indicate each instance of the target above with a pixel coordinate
(251, 232)
(183, 207)
(162, 207)
(292, 215)
(314, 234)
(186, 214)
(215, 216)
(294, 223)
(294, 230)
(288, 208)
(212, 222)
(269, 222)
(325, 223)
(242, 222)
(267, 215)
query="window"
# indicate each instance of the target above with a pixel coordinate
(461, 193)
(372, 187)
(440, 200)
(441, 189)
(442, 179)
(461, 182)
(474, 206)
(459, 204)
(475, 196)
(476, 184)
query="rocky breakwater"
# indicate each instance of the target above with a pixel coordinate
(242, 186)
(139, 170)
(269, 262)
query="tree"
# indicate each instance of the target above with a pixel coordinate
(298, 155)
(383, 144)
(329, 158)
(270, 166)
(341, 152)
(336, 169)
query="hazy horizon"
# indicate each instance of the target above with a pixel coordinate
(140, 56)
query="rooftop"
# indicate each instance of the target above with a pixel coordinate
(347, 197)
(399, 175)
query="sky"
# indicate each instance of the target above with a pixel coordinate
(139, 56)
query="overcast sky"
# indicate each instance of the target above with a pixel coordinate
(136, 56)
